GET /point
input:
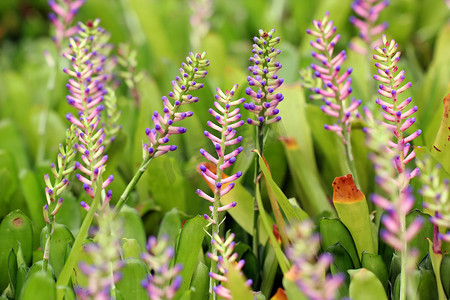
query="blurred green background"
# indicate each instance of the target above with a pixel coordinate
(32, 109)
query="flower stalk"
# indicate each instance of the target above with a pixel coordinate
(159, 135)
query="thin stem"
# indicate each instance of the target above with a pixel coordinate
(259, 146)
(67, 270)
(403, 272)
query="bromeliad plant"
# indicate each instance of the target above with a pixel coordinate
(98, 211)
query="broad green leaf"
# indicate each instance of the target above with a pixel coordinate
(188, 247)
(364, 285)
(419, 242)
(236, 284)
(342, 262)
(170, 226)
(351, 206)
(333, 231)
(8, 174)
(133, 272)
(133, 227)
(375, 264)
(292, 290)
(200, 282)
(34, 198)
(427, 286)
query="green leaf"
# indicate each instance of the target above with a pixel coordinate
(38, 286)
(445, 273)
(236, 284)
(188, 247)
(419, 242)
(364, 285)
(427, 286)
(333, 231)
(200, 282)
(436, 260)
(342, 262)
(170, 226)
(15, 229)
(441, 145)
(289, 211)
(375, 264)
(133, 228)
(34, 197)
(133, 272)
(292, 290)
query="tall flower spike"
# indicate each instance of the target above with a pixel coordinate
(227, 118)
(397, 202)
(264, 80)
(164, 281)
(397, 117)
(224, 256)
(87, 53)
(435, 190)
(93, 162)
(336, 86)
(159, 135)
(368, 12)
(62, 16)
(105, 255)
(308, 271)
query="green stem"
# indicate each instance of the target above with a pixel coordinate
(132, 184)
(259, 146)
(403, 272)
(67, 270)
(50, 228)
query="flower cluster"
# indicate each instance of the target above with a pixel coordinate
(397, 202)
(225, 258)
(159, 135)
(105, 255)
(398, 118)
(62, 16)
(368, 12)
(127, 60)
(309, 271)
(227, 118)
(265, 79)
(61, 173)
(87, 85)
(93, 161)
(336, 86)
(435, 190)
(164, 280)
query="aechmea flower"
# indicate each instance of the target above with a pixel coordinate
(111, 125)
(264, 80)
(104, 253)
(62, 16)
(201, 12)
(93, 162)
(396, 113)
(164, 281)
(61, 171)
(309, 271)
(87, 85)
(397, 201)
(228, 119)
(336, 86)
(225, 257)
(435, 190)
(368, 12)
(164, 123)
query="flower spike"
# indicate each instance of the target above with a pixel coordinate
(398, 117)
(181, 86)
(367, 12)
(62, 16)
(228, 119)
(264, 80)
(336, 86)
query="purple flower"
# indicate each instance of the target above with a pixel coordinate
(309, 271)
(264, 80)
(228, 119)
(164, 123)
(104, 253)
(225, 258)
(396, 113)
(336, 86)
(368, 12)
(164, 281)
(88, 54)
(436, 193)
(62, 16)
